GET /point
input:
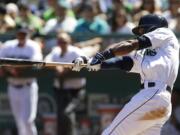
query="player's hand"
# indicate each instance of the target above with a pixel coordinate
(78, 62)
(13, 71)
(93, 67)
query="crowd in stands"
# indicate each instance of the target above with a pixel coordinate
(82, 18)
(76, 16)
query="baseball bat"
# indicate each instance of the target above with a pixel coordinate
(30, 63)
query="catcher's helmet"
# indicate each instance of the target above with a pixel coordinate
(149, 23)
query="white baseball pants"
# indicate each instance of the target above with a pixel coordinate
(145, 114)
(23, 102)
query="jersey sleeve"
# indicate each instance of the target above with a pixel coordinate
(4, 49)
(137, 58)
(37, 54)
(158, 37)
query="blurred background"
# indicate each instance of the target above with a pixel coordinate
(91, 25)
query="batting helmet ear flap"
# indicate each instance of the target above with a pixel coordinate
(163, 22)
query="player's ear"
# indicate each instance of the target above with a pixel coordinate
(141, 31)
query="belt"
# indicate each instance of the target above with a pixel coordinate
(153, 84)
(70, 89)
(19, 86)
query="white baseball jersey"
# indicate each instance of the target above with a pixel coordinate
(161, 61)
(31, 51)
(72, 53)
(23, 92)
(150, 108)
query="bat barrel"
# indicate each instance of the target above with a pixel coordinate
(64, 64)
(19, 62)
(29, 63)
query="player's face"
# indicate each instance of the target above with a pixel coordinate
(60, 11)
(120, 19)
(88, 15)
(21, 37)
(62, 44)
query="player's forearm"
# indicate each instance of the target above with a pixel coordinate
(125, 63)
(125, 47)
(119, 49)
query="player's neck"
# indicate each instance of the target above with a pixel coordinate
(21, 45)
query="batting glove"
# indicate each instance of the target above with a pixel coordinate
(93, 67)
(78, 62)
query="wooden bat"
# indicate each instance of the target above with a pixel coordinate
(7, 62)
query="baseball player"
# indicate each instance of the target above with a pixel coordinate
(154, 54)
(22, 92)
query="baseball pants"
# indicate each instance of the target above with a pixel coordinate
(145, 113)
(23, 102)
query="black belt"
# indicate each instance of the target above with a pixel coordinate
(153, 84)
(19, 86)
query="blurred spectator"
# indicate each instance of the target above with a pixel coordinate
(172, 13)
(75, 3)
(134, 3)
(90, 24)
(121, 24)
(6, 22)
(49, 13)
(147, 6)
(62, 22)
(121, 4)
(12, 10)
(152, 6)
(68, 91)
(177, 26)
(97, 10)
(116, 6)
(103, 5)
(77, 8)
(29, 20)
(164, 5)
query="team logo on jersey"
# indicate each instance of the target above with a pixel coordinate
(150, 52)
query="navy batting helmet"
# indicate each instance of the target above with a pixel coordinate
(149, 23)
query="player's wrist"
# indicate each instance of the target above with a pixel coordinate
(102, 56)
(92, 67)
(108, 54)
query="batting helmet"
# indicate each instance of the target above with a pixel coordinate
(149, 23)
